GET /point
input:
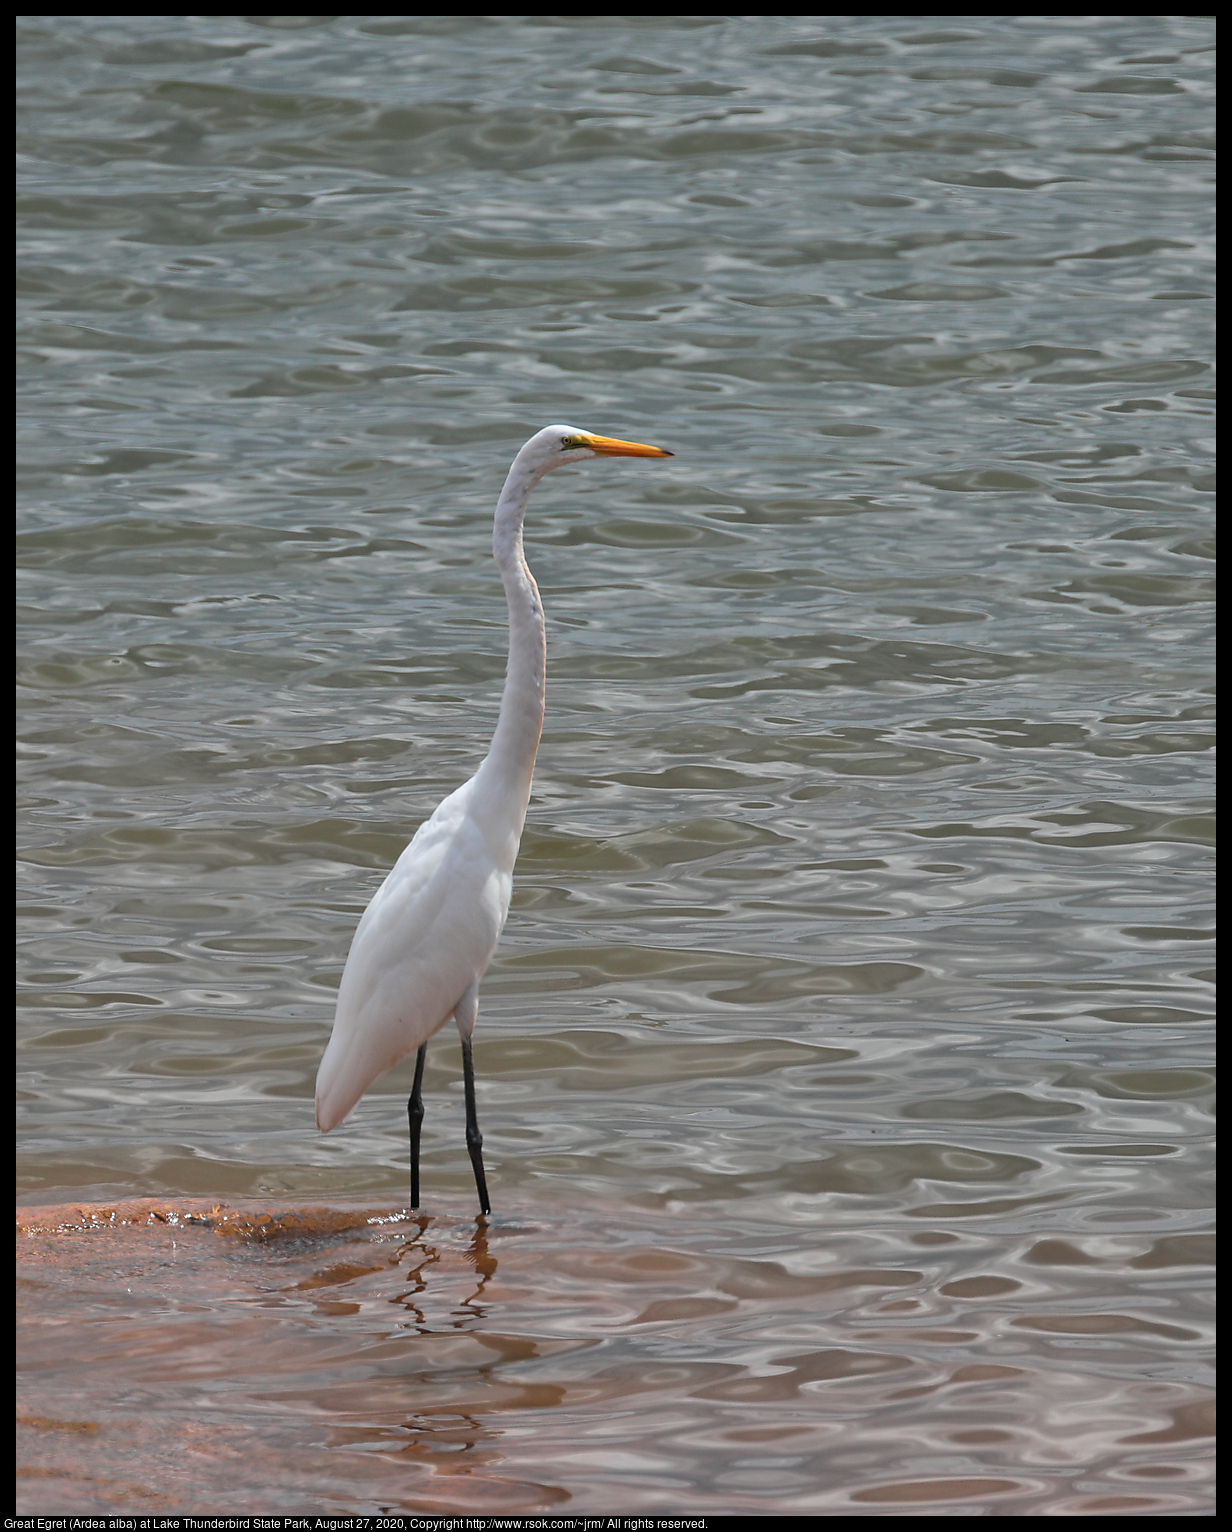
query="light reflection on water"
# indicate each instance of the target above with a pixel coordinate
(844, 1069)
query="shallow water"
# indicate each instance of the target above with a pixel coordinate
(594, 1356)
(844, 1069)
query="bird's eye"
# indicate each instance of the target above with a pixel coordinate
(568, 443)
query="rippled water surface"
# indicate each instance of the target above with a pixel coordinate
(844, 1067)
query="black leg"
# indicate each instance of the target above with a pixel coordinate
(474, 1138)
(414, 1114)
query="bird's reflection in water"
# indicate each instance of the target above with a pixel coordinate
(454, 1463)
(452, 1451)
(423, 1256)
(455, 1433)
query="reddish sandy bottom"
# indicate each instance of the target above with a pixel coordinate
(196, 1358)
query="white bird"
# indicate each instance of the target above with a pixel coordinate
(429, 934)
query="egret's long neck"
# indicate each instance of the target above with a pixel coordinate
(506, 772)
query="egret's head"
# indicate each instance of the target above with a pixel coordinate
(555, 446)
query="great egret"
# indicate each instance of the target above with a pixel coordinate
(428, 935)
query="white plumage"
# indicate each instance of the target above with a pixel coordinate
(428, 934)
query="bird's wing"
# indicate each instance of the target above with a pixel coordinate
(428, 934)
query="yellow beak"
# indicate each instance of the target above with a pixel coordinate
(610, 446)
